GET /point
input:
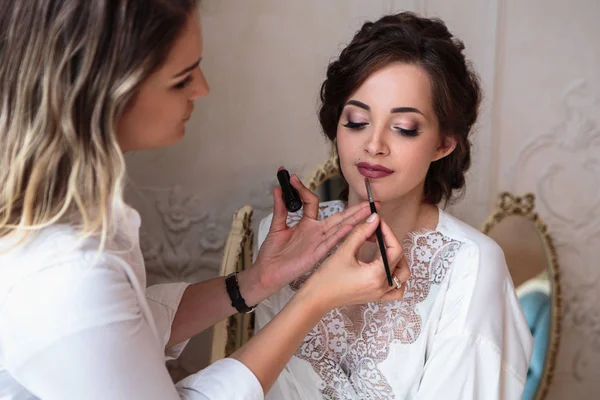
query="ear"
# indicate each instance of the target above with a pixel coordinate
(446, 146)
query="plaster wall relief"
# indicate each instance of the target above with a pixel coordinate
(563, 166)
(546, 140)
(182, 238)
(188, 241)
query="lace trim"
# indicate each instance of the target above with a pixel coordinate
(349, 343)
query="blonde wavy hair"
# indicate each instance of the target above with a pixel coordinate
(68, 70)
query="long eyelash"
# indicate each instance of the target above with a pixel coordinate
(355, 125)
(408, 132)
(183, 83)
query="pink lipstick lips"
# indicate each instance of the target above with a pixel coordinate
(373, 171)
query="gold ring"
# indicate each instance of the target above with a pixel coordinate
(397, 282)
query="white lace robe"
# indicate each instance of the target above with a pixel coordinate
(459, 333)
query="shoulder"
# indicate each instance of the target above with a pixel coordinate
(55, 246)
(57, 270)
(59, 246)
(480, 277)
(478, 254)
(57, 260)
(51, 299)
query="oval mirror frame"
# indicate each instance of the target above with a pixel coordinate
(524, 206)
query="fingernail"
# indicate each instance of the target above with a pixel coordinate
(372, 217)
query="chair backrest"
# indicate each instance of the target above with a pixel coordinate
(231, 333)
(323, 172)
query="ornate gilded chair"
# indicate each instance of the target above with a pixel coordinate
(231, 333)
(326, 180)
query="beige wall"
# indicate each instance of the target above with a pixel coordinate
(265, 61)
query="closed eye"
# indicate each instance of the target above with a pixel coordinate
(407, 132)
(355, 125)
(183, 83)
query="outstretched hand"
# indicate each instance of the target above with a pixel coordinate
(344, 280)
(289, 252)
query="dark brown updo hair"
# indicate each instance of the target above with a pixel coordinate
(427, 43)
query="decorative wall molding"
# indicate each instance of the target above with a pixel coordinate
(564, 166)
(188, 241)
(189, 238)
(570, 150)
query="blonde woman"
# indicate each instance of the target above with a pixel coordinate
(82, 82)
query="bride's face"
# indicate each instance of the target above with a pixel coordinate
(389, 132)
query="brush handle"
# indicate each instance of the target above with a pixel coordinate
(379, 236)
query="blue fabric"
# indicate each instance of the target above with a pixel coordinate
(536, 307)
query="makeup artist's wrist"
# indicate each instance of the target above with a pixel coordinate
(316, 295)
(314, 298)
(251, 288)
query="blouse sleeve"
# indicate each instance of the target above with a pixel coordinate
(482, 345)
(163, 301)
(76, 331)
(468, 367)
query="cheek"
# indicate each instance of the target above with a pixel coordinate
(415, 153)
(151, 122)
(348, 145)
(161, 117)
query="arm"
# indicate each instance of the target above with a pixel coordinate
(341, 280)
(287, 253)
(467, 366)
(482, 344)
(267, 353)
(85, 335)
(193, 316)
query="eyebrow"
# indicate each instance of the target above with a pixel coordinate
(358, 104)
(364, 106)
(406, 110)
(188, 69)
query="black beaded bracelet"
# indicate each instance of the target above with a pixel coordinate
(233, 289)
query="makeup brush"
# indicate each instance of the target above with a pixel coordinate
(379, 235)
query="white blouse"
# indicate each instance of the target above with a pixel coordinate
(75, 324)
(459, 333)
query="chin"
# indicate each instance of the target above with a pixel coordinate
(383, 191)
(171, 140)
(178, 135)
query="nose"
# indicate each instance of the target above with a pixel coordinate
(201, 88)
(376, 144)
